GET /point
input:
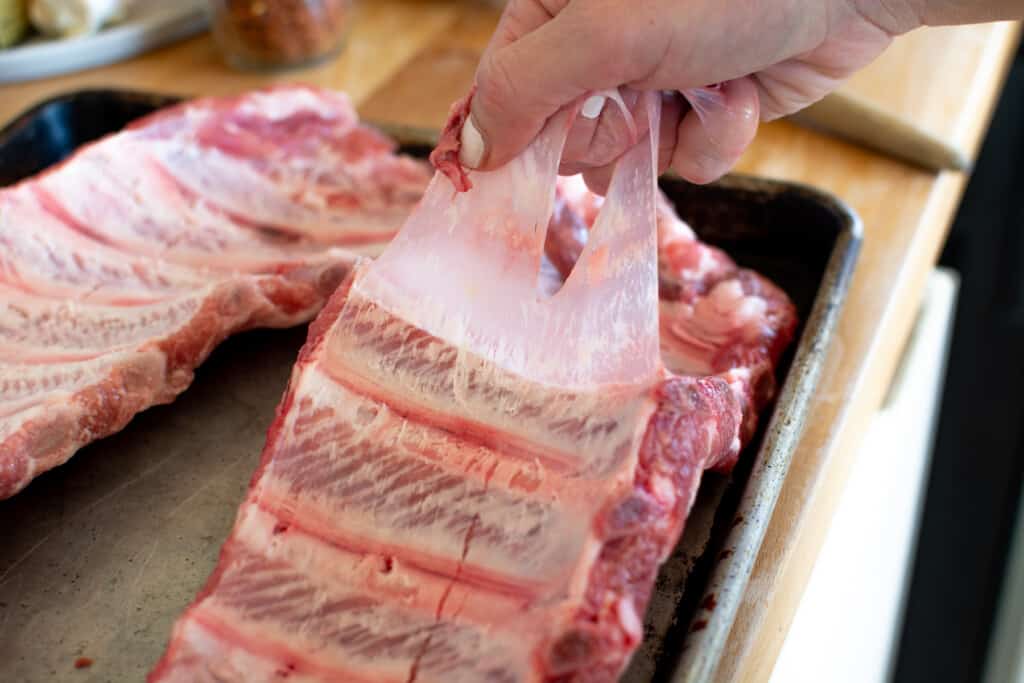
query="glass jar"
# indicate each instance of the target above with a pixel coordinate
(272, 34)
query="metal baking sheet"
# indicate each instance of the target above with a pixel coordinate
(99, 556)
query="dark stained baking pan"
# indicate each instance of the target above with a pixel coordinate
(99, 556)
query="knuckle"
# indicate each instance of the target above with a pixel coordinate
(497, 92)
(496, 83)
(699, 163)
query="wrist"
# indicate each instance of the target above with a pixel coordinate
(954, 12)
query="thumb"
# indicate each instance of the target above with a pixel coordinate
(519, 85)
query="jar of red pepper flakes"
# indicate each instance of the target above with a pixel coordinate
(274, 34)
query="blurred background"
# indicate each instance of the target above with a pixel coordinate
(966, 595)
(921, 577)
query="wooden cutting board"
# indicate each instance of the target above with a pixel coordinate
(420, 94)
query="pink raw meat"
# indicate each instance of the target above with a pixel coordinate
(715, 317)
(469, 479)
(123, 267)
(300, 164)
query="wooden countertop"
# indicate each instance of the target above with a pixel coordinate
(407, 60)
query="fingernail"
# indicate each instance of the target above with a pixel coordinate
(471, 148)
(593, 106)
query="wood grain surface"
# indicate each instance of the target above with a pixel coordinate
(407, 60)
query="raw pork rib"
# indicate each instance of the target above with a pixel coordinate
(122, 268)
(715, 317)
(468, 480)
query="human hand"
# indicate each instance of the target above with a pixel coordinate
(771, 57)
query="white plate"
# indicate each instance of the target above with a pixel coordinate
(149, 24)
